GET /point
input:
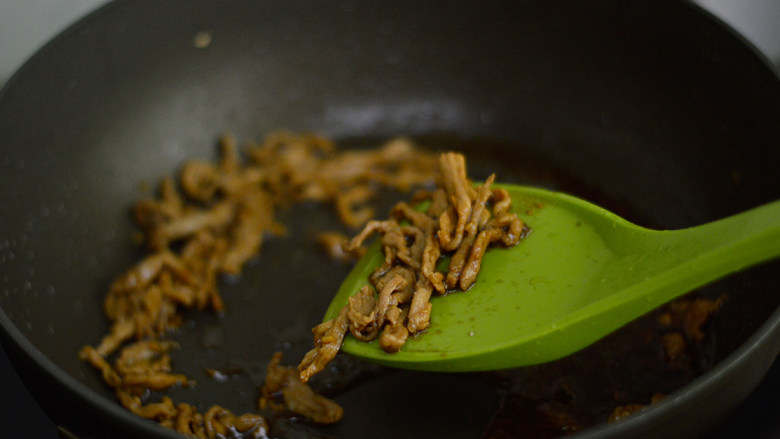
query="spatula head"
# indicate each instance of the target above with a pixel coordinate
(519, 295)
(580, 274)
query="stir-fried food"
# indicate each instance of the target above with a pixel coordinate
(210, 223)
(460, 221)
(215, 217)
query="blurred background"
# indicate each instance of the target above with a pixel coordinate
(26, 25)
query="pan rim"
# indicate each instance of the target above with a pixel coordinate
(766, 333)
(11, 333)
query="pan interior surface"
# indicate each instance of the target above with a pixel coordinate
(655, 112)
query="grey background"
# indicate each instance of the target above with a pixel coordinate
(26, 25)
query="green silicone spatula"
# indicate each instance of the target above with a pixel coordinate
(580, 274)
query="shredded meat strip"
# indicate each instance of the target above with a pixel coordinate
(212, 221)
(327, 342)
(460, 221)
(420, 309)
(297, 397)
(452, 172)
(361, 314)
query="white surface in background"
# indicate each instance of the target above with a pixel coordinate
(758, 20)
(26, 25)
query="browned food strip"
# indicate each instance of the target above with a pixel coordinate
(501, 201)
(691, 315)
(459, 223)
(396, 283)
(204, 253)
(297, 396)
(121, 330)
(470, 270)
(512, 226)
(301, 399)
(149, 355)
(430, 257)
(478, 218)
(150, 213)
(186, 420)
(674, 345)
(190, 222)
(387, 264)
(697, 314)
(327, 342)
(416, 249)
(623, 411)
(456, 185)
(479, 206)
(362, 314)
(91, 356)
(346, 205)
(395, 238)
(372, 227)
(200, 180)
(420, 309)
(438, 203)
(447, 229)
(458, 261)
(421, 221)
(333, 244)
(402, 294)
(153, 381)
(253, 218)
(157, 411)
(215, 218)
(125, 298)
(219, 422)
(395, 333)
(394, 288)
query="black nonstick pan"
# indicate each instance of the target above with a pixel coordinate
(652, 109)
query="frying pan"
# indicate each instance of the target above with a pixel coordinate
(653, 109)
